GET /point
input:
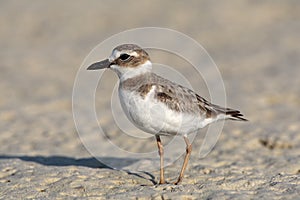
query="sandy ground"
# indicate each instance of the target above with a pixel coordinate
(255, 45)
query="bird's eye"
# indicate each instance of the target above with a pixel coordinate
(124, 57)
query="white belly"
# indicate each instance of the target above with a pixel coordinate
(154, 117)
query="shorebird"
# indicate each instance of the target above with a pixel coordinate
(159, 106)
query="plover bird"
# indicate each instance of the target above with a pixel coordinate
(159, 106)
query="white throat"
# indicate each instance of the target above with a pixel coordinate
(130, 72)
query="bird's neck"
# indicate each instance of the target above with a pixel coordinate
(130, 73)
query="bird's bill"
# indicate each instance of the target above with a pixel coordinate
(99, 65)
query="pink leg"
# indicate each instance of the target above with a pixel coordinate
(186, 159)
(161, 154)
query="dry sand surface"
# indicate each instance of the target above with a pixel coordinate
(43, 43)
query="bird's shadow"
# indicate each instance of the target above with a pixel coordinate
(90, 162)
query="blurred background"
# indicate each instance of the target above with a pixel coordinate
(255, 44)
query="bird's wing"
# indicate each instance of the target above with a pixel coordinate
(182, 99)
(177, 97)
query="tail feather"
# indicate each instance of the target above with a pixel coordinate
(236, 116)
(231, 113)
(212, 109)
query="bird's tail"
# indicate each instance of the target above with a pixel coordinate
(230, 113)
(220, 112)
(235, 115)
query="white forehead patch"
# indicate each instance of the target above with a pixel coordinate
(115, 54)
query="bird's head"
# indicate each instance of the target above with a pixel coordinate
(127, 60)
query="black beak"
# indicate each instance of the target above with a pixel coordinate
(100, 65)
